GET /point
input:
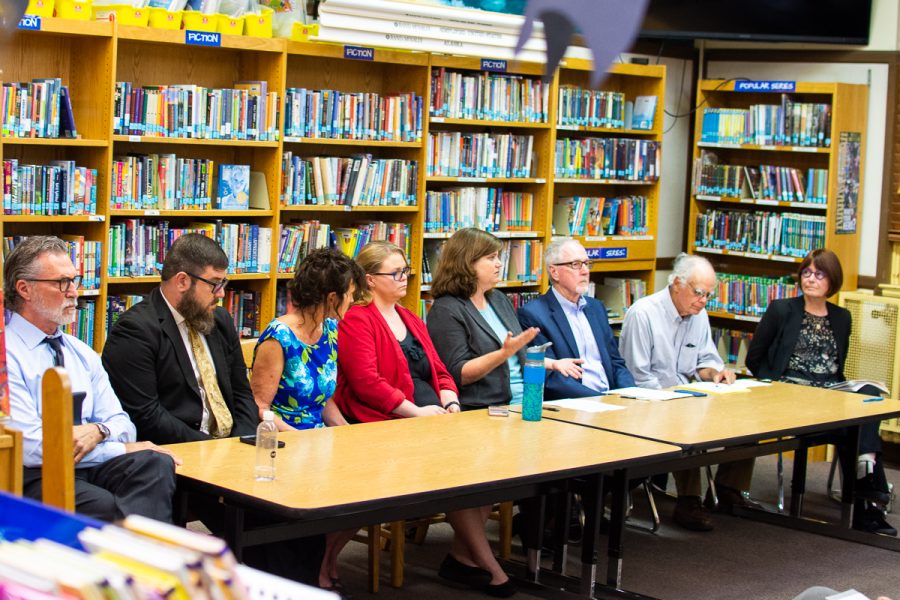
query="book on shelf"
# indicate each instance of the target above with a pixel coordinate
(488, 96)
(760, 232)
(4, 377)
(488, 209)
(37, 109)
(58, 188)
(619, 293)
(607, 158)
(359, 180)
(482, 155)
(732, 345)
(790, 123)
(161, 182)
(234, 187)
(585, 107)
(749, 294)
(643, 113)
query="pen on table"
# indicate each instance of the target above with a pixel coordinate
(552, 408)
(874, 399)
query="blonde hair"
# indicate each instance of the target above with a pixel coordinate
(370, 258)
(455, 272)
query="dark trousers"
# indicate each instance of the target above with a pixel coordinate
(137, 483)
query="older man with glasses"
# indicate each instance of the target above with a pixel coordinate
(115, 476)
(666, 341)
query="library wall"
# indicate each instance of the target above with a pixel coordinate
(876, 76)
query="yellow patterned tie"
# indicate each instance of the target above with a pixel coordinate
(221, 422)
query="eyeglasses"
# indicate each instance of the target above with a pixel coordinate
(217, 286)
(397, 275)
(807, 273)
(63, 282)
(576, 265)
(704, 294)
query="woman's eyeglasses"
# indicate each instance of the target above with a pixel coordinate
(807, 273)
(396, 275)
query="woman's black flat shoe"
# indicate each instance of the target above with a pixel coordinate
(453, 570)
(500, 590)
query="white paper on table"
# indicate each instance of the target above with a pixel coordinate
(647, 394)
(750, 383)
(591, 404)
(715, 388)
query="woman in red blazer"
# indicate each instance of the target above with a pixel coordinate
(388, 369)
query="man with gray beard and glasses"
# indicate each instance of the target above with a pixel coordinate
(175, 359)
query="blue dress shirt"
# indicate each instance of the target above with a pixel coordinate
(27, 357)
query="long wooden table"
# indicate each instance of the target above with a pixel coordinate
(343, 477)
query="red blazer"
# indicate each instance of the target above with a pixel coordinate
(373, 375)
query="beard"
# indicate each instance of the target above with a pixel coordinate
(62, 315)
(198, 315)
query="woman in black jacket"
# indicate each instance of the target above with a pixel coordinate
(804, 341)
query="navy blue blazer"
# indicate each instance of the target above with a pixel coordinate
(547, 314)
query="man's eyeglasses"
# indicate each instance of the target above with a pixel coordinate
(217, 286)
(397, 275)
(63, 282)
(704, 294)
(576, 265)
(807, 273)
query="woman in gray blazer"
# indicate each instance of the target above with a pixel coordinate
(475, 329)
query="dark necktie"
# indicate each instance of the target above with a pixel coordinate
(56, 344)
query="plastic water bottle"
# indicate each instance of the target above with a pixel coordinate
(266, 446)
(533, 397)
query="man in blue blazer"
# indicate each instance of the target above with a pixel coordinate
(576, 324)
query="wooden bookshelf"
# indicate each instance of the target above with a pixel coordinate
(848, 114)
(91, 57)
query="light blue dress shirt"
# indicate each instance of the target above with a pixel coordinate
(593, 375)
(27, 357)
(516, 383)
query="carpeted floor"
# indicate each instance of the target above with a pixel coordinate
(740, 559)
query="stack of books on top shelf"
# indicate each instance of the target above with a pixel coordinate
(423, 26)
(161, 181)
(489, 209)
(245, 112)
(587, 216)
(455, 154)
(787, 124)
(488, 96)
(330, 114)
(748, 294)
(60, 188)
(360, 180)
(40, 109)
(761, 232)
(85, 254)
(732, 345)
(607, 158)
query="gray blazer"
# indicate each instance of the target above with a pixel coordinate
(460, 333)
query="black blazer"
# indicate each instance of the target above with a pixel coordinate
(151, 373)
(460, 333)
(778, 331)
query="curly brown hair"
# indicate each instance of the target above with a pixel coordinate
(455, 273)
(324, 271)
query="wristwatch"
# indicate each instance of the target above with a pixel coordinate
(104, 431)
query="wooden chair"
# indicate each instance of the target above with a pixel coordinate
(10, 460)
(58, 471)
(247, 347)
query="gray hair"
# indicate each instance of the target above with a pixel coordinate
(685, 266)
(22, 263)
(554, 251)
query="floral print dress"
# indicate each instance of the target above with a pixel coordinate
(309, 377)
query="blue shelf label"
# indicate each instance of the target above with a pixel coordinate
(359, 53)
(607, 253)
(202, 38)
(32, 22)
(765, 86)
(493, 65)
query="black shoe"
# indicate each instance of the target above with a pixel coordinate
(457, 572)
(690, 514)
(871, 520)
(729, 499)
(500, 590)
(867, 488)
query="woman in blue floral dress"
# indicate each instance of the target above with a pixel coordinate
(295, 360)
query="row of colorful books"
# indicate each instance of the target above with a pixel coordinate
(138, 248)
(749, 294)
(593, 216)
(59, 188)
(487, 208)
(39, 109)
(785, 234)
(359, 180)
(456, 154)
(585, 107)
(488, 96)
(787, 124)
(518, 300)
(732, 345)
(245, 112)
(332, 114)
(618, 294)
(522, 260)
(244, 307)
(86, 255)
(85, 318)
(768, 182)
(621, 159)
(296, 240)
(161, 181)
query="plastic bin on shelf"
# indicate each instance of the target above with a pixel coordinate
(260, 25)
(230, 25)
(40, 8)
(197, 21)
(123, 14)
(161, 18)
(74, 9)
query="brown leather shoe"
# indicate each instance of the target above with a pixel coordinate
(729, 499)
(690, 514)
